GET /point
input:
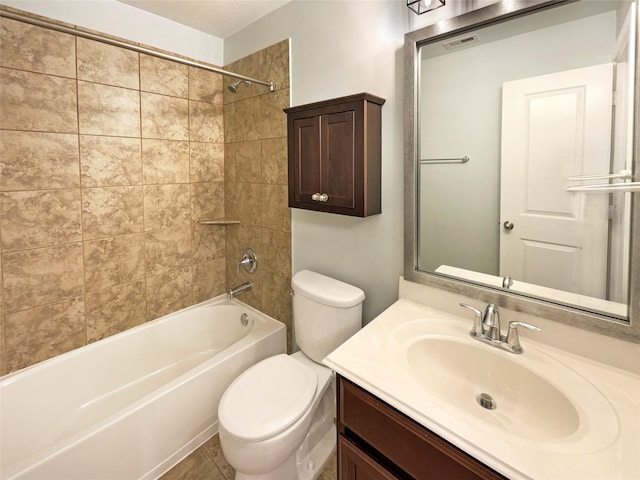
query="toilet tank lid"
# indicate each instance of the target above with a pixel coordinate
(326, 290)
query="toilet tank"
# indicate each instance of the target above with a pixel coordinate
(326, 312)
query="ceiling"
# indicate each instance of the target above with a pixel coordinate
(220, 18)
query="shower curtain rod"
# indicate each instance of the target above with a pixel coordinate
(128, 46)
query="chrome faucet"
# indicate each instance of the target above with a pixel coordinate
(239, 289)
(486, 328)
(491, 322)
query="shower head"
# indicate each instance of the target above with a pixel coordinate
(233, 88)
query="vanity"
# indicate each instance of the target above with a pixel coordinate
(376, 441)
(409, 404)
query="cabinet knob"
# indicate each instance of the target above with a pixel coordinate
(320, 197)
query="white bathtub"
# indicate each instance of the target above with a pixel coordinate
(132, 405)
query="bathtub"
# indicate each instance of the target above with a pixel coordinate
(133, 405)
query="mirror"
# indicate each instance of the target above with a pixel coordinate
(519, 169)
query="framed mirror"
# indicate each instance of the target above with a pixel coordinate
(521, 159)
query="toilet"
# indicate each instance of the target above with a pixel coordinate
(276, 420)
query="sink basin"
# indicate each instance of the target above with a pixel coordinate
(532, 397)
(493, 387)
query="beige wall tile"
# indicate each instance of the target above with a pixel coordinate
(113, 261)
(37, 277)
(247, 120)
(107, 64)
(207, 162)
(169, 292)
(35, 161)
(209, 279)
(276, 249)
(273, 120)
(164, 117)
(165, 161)
(205, 122)
(166, 206)
(276, 299)
(230, 128)
(205, 86)
(273, 153)
(33, 101)
(37, 49)
(248, 165)
(207, 201)
(40, 333)
(110, 161)
(231, 201)
(115, 309)
(274, 62)
(39, 218)
(276, 214)
(230, 170)
(107, 110)
(249, 203)
(163, 76)
(208, 242)
(111, 211)
(167, 250)
(239, 237)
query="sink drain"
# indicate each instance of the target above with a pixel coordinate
(486, 401)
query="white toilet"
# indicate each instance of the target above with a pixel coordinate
(276, 419)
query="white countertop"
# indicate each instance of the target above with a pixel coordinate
(371, 360)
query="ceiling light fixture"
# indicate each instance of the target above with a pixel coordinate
(421, 6)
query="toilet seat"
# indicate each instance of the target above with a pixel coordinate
(267, 398)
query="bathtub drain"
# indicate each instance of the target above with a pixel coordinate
(244, 319)
(486, 401)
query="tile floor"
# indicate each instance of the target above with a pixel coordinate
(208, 463)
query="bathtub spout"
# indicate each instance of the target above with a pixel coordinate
(239, 289)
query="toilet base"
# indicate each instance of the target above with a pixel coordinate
(310, 465)
(320, 442)
(286, 471)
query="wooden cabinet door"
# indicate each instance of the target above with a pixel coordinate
(406, 447)
(354, 464)
(307, 162)
(337, 158)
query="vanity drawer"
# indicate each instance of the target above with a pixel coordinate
(372, 424)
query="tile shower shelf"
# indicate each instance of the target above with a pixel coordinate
(219, 222)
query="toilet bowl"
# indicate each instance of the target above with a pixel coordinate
(264, 423)
(276, 420)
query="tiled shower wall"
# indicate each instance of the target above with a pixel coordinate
(256, 180)
(109, 159)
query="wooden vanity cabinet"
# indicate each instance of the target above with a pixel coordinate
(376, 442)
(335, 155)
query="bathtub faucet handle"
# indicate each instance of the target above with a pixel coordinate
(249, 261)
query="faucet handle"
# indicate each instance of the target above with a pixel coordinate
(477, 322)
(249, 261)
(512, 335)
